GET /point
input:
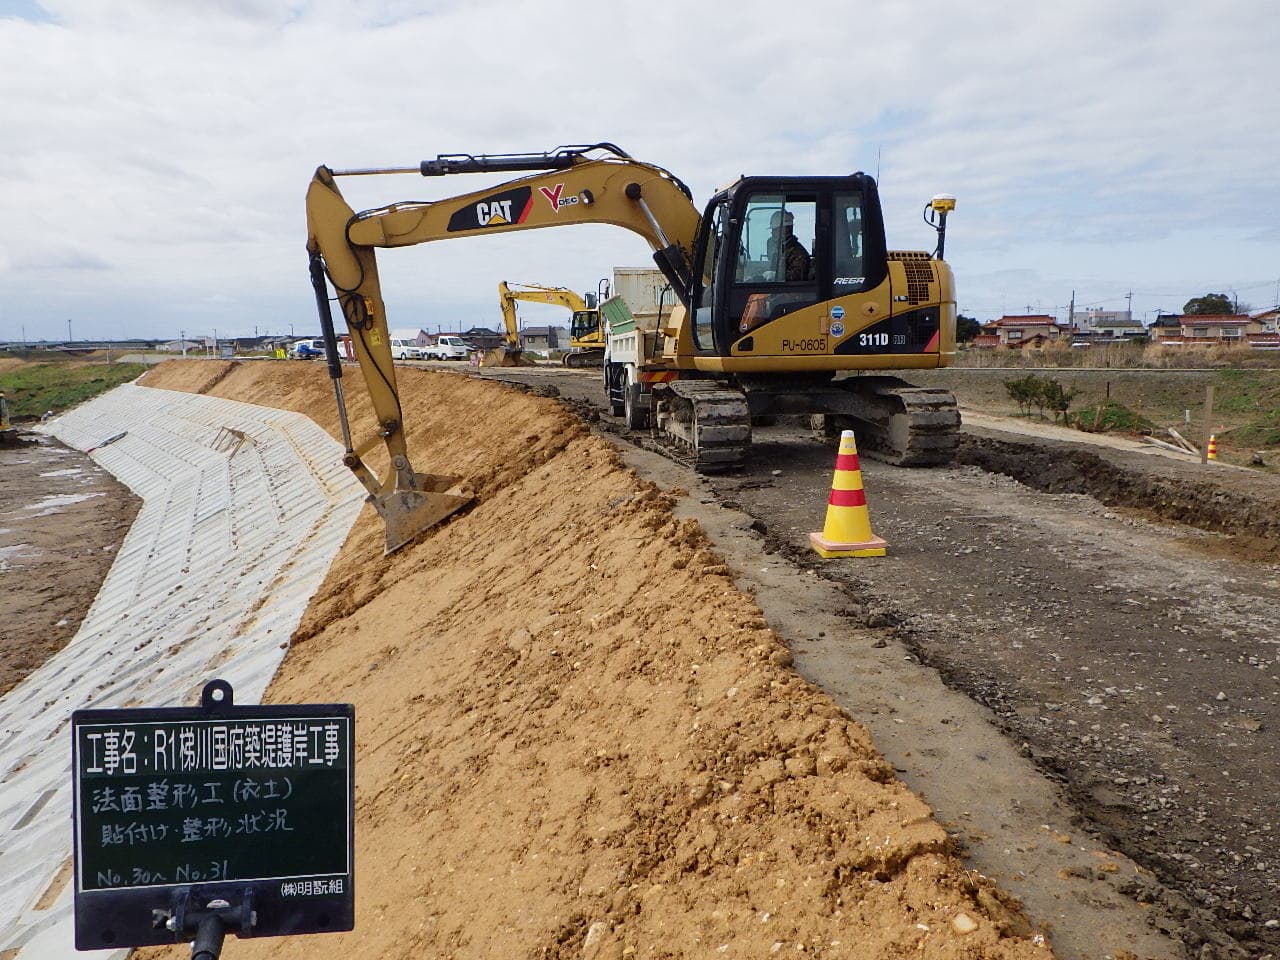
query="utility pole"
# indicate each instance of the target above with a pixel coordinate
(1071, 312)
(182, 334)
(69, 337)
(1129, 310)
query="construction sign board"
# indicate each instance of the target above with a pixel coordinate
(178, 812)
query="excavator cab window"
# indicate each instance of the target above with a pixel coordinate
(776, 270)
(585, 323)
(717, 218)
(849, 274)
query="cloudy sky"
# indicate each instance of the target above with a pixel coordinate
(158, 151)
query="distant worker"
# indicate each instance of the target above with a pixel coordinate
(795, 256)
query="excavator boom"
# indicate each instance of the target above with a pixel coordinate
(589, 184)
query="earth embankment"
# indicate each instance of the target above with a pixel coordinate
(577, 737)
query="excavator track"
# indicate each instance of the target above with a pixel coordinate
(703, 424)
(592, 357)
(898, 423)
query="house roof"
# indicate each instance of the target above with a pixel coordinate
(1022, 320)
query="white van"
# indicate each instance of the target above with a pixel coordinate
(449, 348)
(405, 349)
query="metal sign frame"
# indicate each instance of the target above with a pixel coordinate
(214, 818)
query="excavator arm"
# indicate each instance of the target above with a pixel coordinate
(534, 293)
(509, 322)
(588, 184)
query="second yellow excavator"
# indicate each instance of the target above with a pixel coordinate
(586, 338)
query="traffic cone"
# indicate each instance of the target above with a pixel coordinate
(1212, 453)
(847, 531)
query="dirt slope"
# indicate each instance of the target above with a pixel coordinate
(577, 738)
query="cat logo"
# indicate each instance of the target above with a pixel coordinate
(553, 197)
(504, 209)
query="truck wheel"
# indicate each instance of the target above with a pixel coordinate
(613, 390)
(635, 412)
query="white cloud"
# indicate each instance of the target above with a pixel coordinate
(160, 151)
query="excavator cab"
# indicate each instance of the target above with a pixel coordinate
(585, 325)
(772, 247)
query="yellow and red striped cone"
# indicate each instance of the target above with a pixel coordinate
(847, 531)
(1212, 453)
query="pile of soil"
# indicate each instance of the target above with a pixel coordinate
(576, 737)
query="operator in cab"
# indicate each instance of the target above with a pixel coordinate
(795, 257)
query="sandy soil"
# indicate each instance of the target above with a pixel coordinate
(61, 520)
(578, 738)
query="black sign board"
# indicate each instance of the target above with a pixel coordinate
(242, 811)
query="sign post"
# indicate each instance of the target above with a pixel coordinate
(194, 821)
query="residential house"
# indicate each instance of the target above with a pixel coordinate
(1218, 329)
(1269, 318)
(1268, 338)
(544, 339)
(1112, 325)
(987, 338)
(1029, 330)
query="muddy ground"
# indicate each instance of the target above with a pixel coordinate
(61, 520)
(1131, 658)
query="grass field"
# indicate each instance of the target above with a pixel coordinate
(1137, 400)
(33, 389)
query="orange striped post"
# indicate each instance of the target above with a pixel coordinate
(1213, 447)
(847, 531)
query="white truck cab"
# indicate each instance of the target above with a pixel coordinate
(450, 348)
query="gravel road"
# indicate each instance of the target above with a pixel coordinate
(1132, 658)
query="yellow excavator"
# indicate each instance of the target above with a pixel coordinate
(585, 335)
(782, 286)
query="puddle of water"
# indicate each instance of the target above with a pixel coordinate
(47, 505)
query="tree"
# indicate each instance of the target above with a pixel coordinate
(1208, 305)
(1023, 392)
(1058, 399)
(967, 328)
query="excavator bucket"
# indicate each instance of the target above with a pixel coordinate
(505, 356)
(409, 512)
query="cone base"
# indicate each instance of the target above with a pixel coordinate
(830, 549)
